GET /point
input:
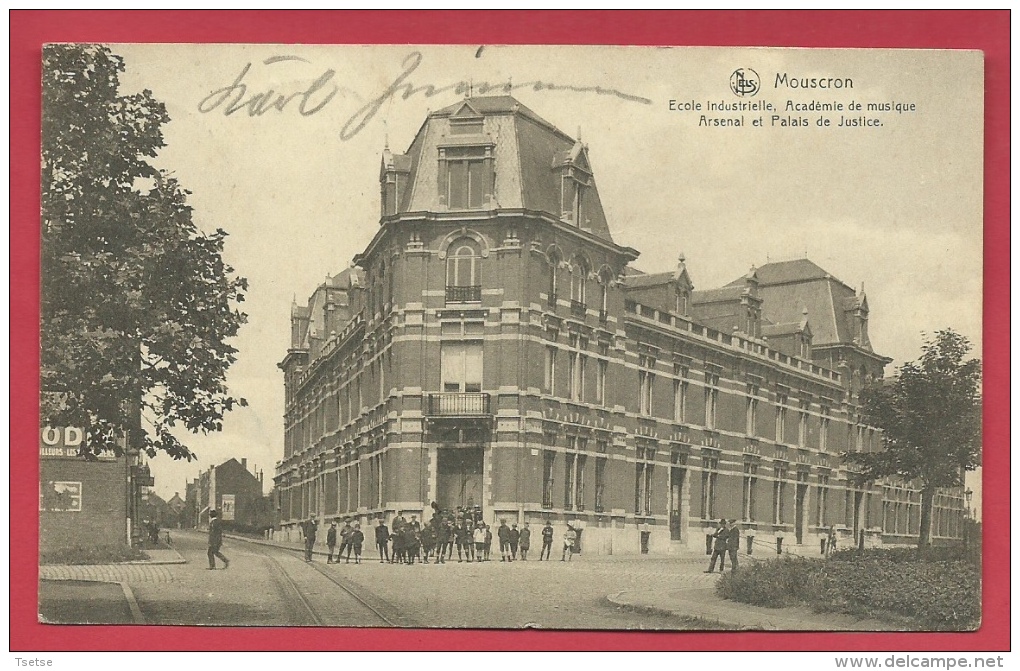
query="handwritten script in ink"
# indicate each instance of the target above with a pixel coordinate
(238, 98)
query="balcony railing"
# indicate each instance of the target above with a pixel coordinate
(578, 309)
(457, 404)
(471, 294)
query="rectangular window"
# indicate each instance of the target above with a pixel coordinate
(645, 382)
(848, 516)
(468, 177)
(550, 370)
(568, 481)
(859, 439)
(711, 400)
(802, 425)
(750, 491)
(779, 496)
(579, 480)
(600, 477)
(600, 381)
(823, 492)
(709, 477)
(752, 410)
(823, 430)
(643, 481)
(461, 367)
(680, 396)
(781, 418)
(548, 462)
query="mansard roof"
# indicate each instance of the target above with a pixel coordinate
(530, 155)
(788, 288)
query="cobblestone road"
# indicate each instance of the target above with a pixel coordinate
(548, 594)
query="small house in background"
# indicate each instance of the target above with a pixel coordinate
(233, 490)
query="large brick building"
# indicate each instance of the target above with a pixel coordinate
(493, 346)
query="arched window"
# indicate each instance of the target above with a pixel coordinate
(578, 287)
(554, 263)
(605, 279)
(463, 277)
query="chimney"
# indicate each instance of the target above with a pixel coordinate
(244, 463)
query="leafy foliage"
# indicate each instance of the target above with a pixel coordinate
(137, 303)
(922, 595)
(930, 416)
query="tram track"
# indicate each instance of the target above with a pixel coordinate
(383, 614)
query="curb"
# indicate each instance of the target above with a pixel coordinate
(136, 612)
(655, 610)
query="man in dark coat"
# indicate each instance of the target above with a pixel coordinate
(503, 532)
(331, 542)
(309, 529)
(442, 541)
(733, 544)
(515, 539)
(547, 541)
(216, 540)
(720, 538)
(382, 541)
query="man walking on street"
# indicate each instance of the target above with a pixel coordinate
(310, 528)
(525, 542)
(547, 541)
(382, 541)
(733, 544)
(216, 540)
(719, 547)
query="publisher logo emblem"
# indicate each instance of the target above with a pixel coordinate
(744, 82)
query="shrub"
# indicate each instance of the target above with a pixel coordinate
(934, 596)
(89, 554)
(772, 584)
(903, 554)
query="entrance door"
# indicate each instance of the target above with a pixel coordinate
(459, 477)
(677, 478)
(800, 516)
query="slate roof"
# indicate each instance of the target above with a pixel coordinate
(788, 288)
(528, 152)
(641, 280)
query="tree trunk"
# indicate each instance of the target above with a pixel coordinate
(927, 503)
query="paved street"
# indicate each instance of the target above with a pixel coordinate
(268, 586)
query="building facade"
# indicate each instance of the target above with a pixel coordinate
(494, 347)
(235, 492)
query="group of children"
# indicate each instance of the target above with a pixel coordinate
(434, 542)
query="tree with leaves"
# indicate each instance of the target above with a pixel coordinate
(138, 305)
(930, 417)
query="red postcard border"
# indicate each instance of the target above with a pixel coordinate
(29, 30)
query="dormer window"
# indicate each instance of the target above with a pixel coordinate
(466, 126)
(681, 302)
(574, 187)
(575, 181)
(465, 177)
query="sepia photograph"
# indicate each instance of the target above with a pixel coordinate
(511, 337)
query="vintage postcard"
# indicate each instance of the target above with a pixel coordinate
(555, 337)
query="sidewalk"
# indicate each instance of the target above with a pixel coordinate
(703, 603)
(100, 593)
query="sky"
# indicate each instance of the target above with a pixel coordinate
(896, 208)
